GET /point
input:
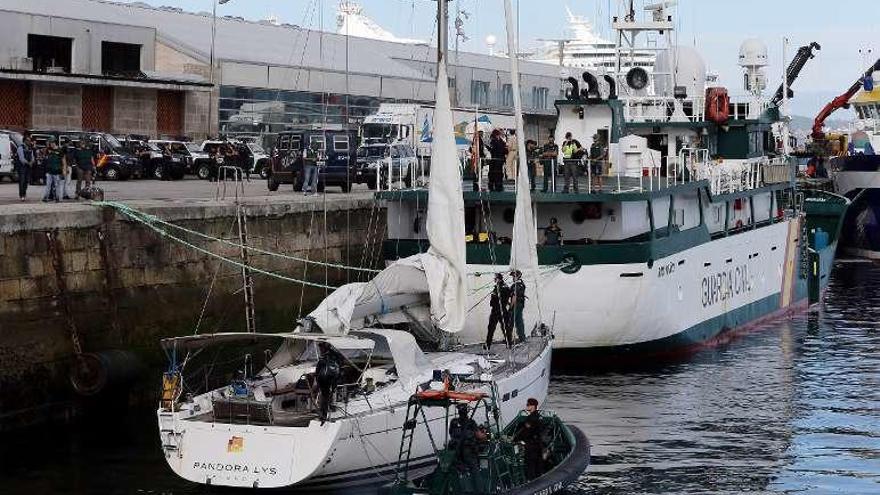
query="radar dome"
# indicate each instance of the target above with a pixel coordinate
(688, 67)
(753, 53)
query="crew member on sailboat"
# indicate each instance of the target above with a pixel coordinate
(517, 303)
(499, 304)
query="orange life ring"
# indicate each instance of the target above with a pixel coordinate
(717, 105)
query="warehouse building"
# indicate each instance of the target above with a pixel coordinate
(132, 68)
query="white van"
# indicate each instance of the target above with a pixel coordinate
(9, 142)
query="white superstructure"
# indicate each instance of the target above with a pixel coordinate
(584, 49)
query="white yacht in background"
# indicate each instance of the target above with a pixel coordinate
(582, 48)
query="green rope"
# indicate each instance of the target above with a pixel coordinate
(146, 220)
(146, 217)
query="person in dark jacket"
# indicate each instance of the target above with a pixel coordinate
(327, 373)
(498, 303)
(530, 433)
(55, 163)
(517, 303)
(498, 149)
(25, 162)
(463, 440)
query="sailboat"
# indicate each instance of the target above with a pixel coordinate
(250, 415)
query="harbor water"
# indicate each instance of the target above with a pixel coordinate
(790, 407)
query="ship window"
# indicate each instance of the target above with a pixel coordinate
(540, 97)
(506, 95)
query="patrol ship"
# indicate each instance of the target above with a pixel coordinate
(696, 230)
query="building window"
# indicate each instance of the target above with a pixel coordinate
(50, 53)
(540, 97)
(480, 93)
(506, 95)
(120, 58)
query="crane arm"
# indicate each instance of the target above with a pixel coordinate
(840, 102)
(803, 55)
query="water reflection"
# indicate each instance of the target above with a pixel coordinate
(793, 407)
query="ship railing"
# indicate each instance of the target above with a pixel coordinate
(660, 108)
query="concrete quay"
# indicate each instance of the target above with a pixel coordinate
(74, 268)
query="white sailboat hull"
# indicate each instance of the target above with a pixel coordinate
(357, 449)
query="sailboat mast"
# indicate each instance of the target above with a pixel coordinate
(442, 29)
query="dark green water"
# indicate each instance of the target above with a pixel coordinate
(793, 407)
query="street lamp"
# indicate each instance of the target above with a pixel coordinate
(211, 61)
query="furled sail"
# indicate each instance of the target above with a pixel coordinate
(435, 279)
(523, 249)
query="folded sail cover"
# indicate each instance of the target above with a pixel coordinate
(435, 278)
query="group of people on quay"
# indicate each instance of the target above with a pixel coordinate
(58, 164)
(572, 160)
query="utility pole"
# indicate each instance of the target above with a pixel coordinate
(211, 63)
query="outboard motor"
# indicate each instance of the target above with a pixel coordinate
(592, 90)
(574, 92)
(612, 87)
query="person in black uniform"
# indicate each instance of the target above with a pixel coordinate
(530, 432)
(463, 440)
(498, 302)
(327, 373)
(498, 149)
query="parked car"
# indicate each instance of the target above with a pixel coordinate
(9, 142)
(377, 160)
(114, 162)
(179, 158)
(338, 166)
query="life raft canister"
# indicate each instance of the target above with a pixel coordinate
(717, 105)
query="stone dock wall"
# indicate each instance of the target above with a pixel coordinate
(121, 285)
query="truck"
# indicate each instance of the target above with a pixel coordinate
(412, 123)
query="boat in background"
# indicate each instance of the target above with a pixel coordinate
(694, 229)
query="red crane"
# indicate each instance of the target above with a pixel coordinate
(841, 101)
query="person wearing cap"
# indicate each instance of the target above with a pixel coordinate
(549, 155)
(517, 303)
(530, 433)
(55, 165)
(498, 304)
(598, 157)
(552, 233)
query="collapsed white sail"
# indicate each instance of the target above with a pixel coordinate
(445, 223)
(523, 249)
(435, 278)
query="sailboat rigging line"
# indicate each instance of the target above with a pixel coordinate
(168, 235)
(148, 218)
(306, 267)
(210, 289)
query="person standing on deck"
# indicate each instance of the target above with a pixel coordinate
(498, 303)
(327, 373)
(549, 155)
(598, 157)
(572, 151)
(512, 155)
(532, 156)
(499, 151)
(517, 303)
(25, 163)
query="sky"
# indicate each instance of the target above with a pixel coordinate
(846, 29)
